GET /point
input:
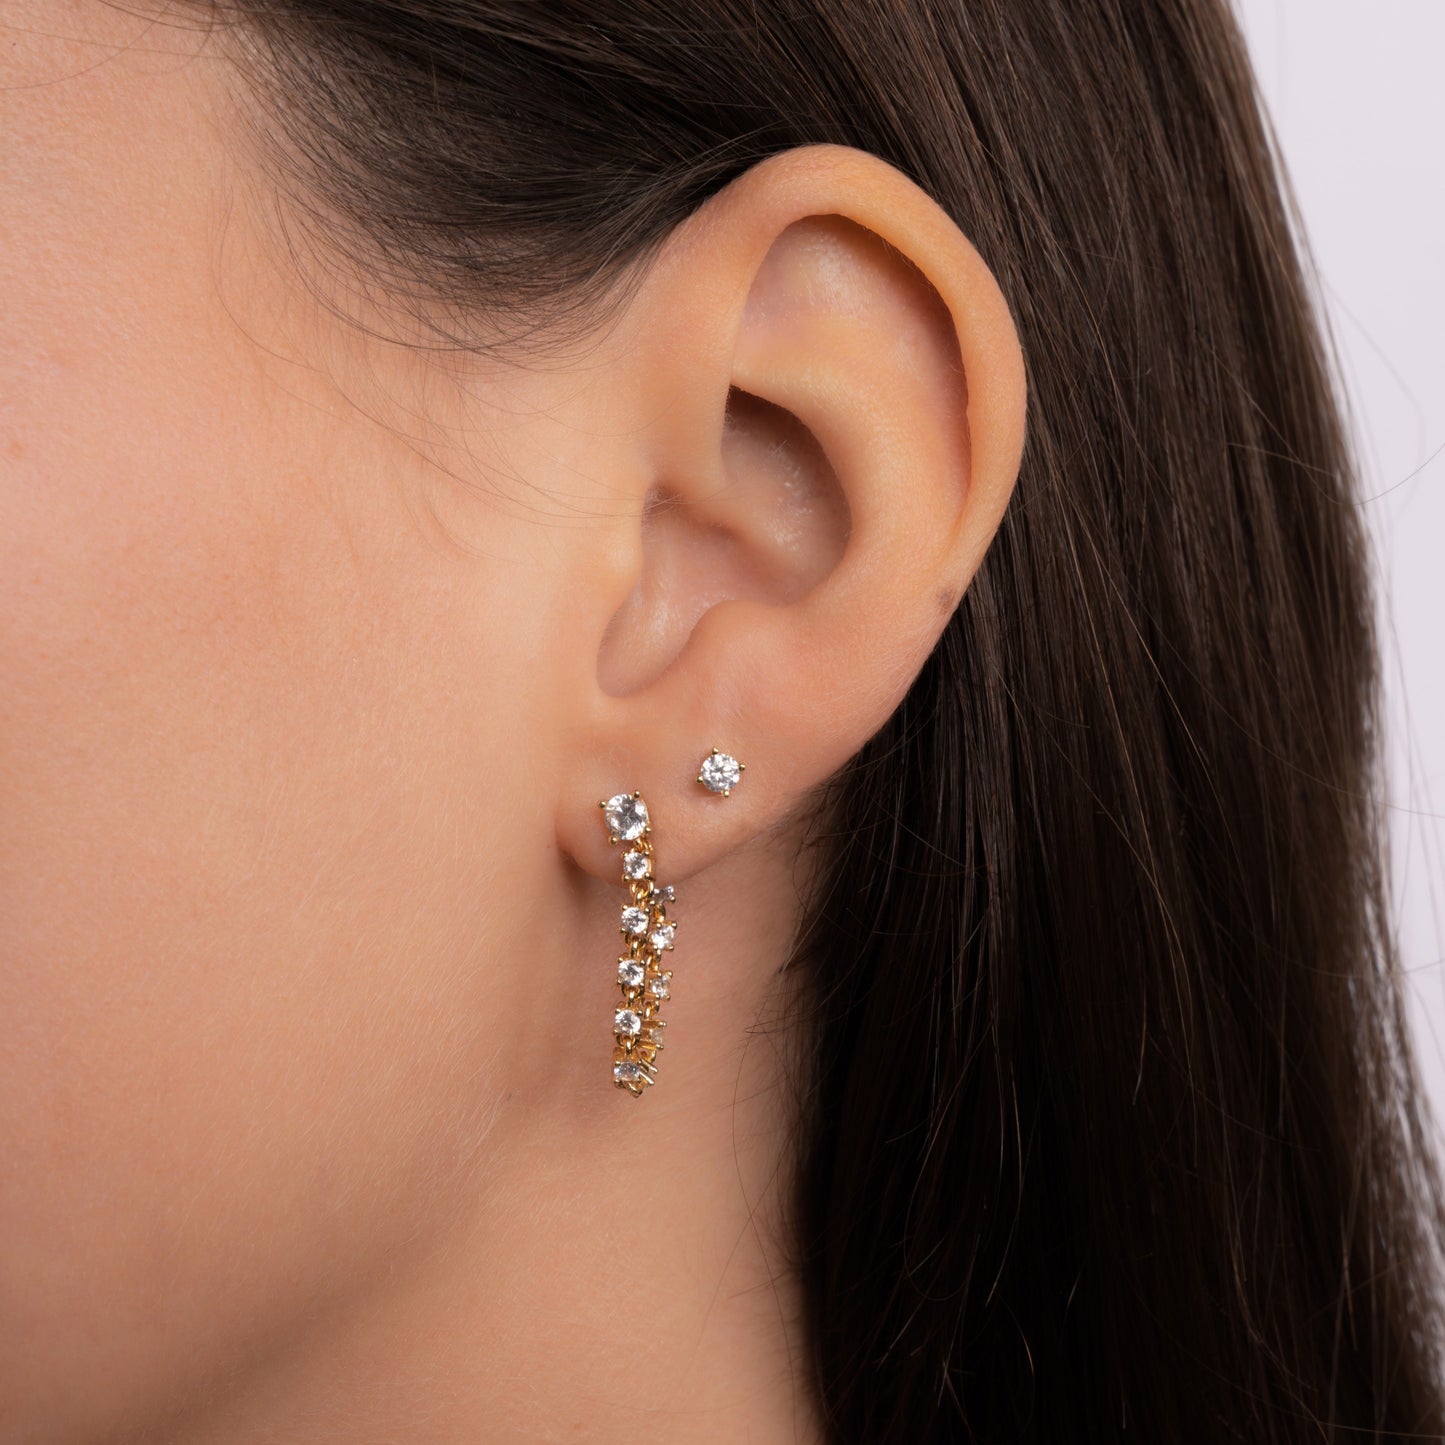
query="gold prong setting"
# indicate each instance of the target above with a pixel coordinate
(720, 772)
(648, 933)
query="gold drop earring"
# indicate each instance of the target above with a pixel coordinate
(647, 929)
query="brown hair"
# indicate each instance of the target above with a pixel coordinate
(1110, 880)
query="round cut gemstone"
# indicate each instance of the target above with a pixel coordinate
(634, 920)
(629, 972)
(636, 864)
(626, 816)
(627, 1021)
(664, 894)
(626, 1072)
(719, 773)
(658, 988)
(662, 937)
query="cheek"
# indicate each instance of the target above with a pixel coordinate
(236, 937)
(244, 867)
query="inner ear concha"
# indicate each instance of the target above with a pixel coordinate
(769, 529)
(807, 510)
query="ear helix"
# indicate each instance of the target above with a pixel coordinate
(647, 929)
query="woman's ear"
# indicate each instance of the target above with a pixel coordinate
(827, 397)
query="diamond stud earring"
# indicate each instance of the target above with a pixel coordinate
(720, 773)
(636, 1028)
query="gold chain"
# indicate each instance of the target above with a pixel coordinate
(643, 981)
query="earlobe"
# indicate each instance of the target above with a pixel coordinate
(790, 589)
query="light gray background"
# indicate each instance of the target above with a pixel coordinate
(1355, 94)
